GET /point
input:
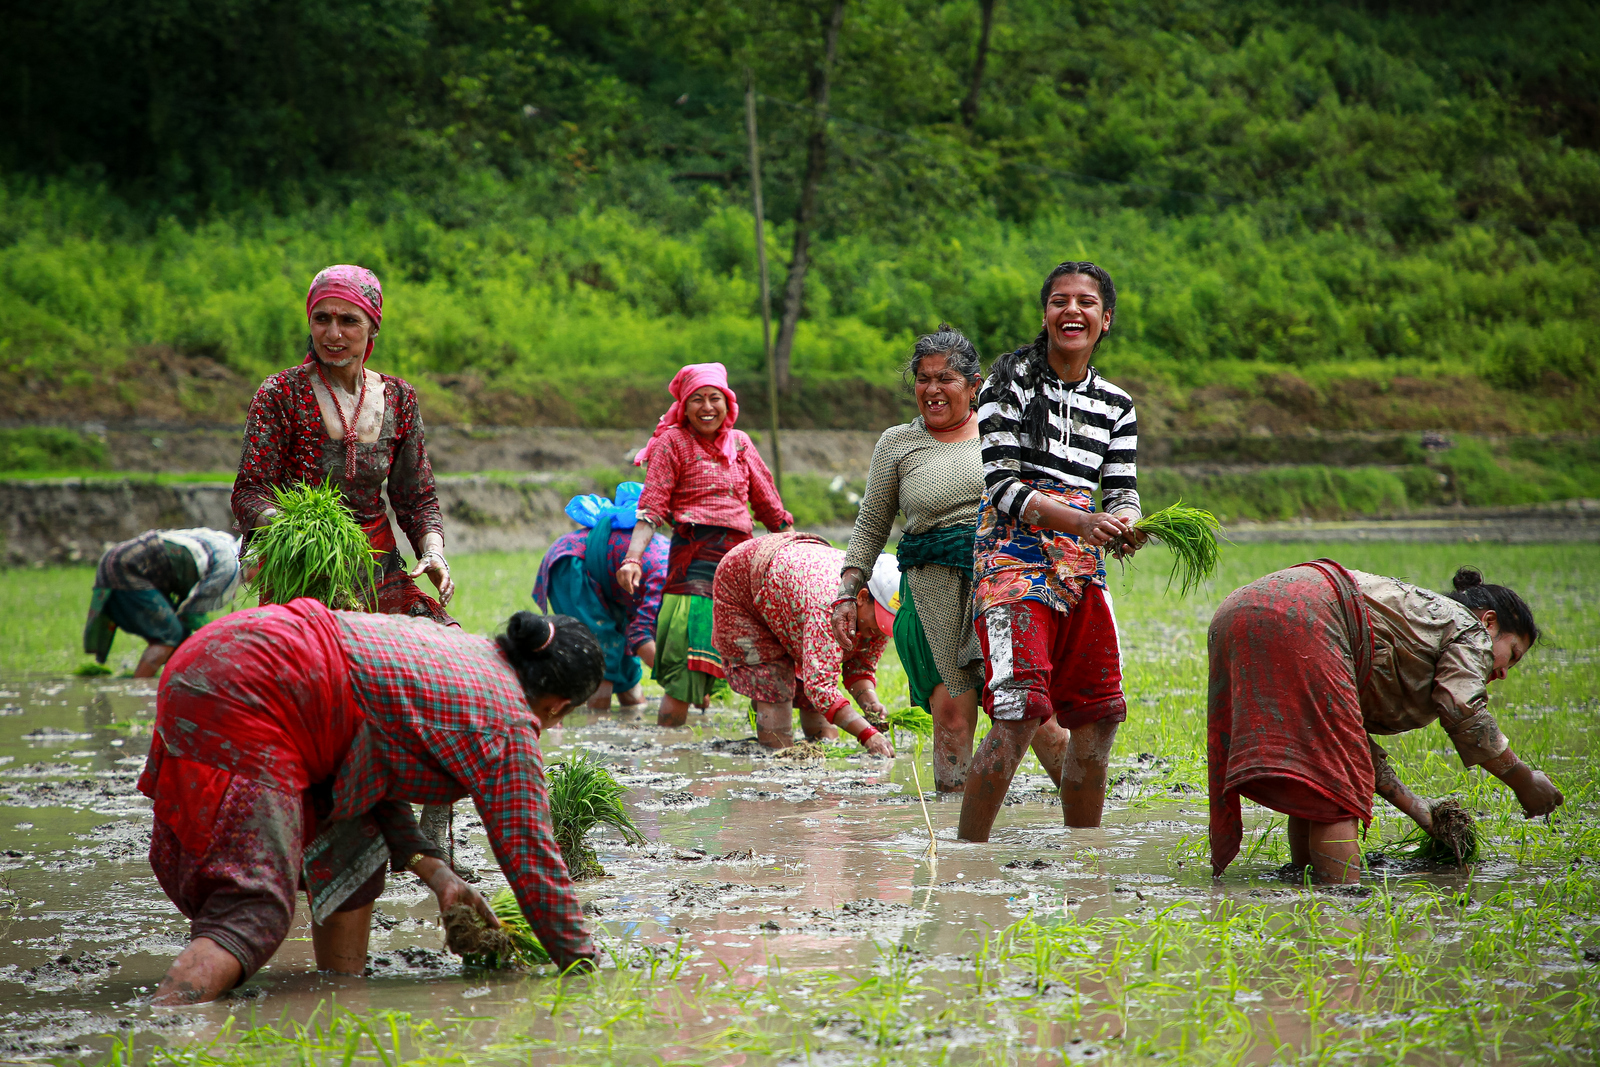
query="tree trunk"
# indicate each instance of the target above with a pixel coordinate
(805, 216)
(969, 106)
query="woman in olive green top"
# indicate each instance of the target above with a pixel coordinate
(931, 470)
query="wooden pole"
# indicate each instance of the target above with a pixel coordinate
(761, 260)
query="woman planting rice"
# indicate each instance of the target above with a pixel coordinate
(703, 477)
(160, 585)
(1306, 662)
(330, 420)
(1053, 431)
(578, 577)
(931, 469)
(274, 725)
(772, 598)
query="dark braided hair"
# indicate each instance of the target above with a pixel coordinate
(1026, 366)
(1511, 611)
(553, 655)
(960, 354)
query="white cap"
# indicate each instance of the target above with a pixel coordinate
(884, 585)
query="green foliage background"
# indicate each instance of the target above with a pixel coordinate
(554, 194)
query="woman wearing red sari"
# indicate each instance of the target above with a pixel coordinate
(331, 420)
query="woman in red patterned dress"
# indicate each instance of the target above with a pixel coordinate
(331, 420)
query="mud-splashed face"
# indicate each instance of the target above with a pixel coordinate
(1509, 648)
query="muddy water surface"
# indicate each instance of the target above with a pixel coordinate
(751, 860)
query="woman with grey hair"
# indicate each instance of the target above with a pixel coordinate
(931, 470)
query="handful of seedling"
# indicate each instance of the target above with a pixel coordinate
(480, 946)
(1191, 534)
(313, 548)
(1454, 838)
(584, 796)
(913, 720)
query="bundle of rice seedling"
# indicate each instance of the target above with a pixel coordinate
(1454, 838)
(514, 943)
(912, 720)
(313, 548)
(583, 796)
(1190, 534)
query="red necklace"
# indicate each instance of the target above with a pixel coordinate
(952, 429)
(348, 425)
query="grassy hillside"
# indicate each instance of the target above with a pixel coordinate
(1340, 217)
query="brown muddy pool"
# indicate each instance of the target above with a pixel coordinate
(750, 859)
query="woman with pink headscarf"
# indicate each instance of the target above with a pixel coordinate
(332, 421)
(703, 478)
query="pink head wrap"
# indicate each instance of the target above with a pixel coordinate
(348, 282)
(686, 383)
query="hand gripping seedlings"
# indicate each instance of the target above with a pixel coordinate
(1191, 535)
(514, 944)
(313, 548)
(583, 796)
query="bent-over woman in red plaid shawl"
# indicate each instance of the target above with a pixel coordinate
(290, 743)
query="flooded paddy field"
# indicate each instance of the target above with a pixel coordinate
(790, 912)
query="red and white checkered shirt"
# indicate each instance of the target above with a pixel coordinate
(447, 718)
(689, 481)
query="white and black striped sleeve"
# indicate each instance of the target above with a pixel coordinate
(1119, 476)
(1000, 408)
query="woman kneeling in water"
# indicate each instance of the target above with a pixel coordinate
(1306, 662)
(287, 726)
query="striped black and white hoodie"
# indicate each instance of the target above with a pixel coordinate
(1093, 442)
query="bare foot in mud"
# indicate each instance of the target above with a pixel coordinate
(202, 972)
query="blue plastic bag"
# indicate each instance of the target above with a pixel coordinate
(587, 509)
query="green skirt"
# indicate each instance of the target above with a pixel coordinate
(922, 674)
(687, 666)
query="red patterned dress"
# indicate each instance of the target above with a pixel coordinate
(277, 722)
(285, 443)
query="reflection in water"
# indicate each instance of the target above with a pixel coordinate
(754, 866)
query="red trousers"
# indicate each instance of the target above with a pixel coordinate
(1039, 662)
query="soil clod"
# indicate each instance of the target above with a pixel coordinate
(468, 936)
(804, 750)
(1455, 833)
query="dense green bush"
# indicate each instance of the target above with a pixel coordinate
(39, 449)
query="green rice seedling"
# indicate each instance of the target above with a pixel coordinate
(913, 720)
(1455, 838)
(525, 947)
(313, 548)
(1190, 534)
(583, 796)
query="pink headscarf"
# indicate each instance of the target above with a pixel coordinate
(348, 282)
(686, 383)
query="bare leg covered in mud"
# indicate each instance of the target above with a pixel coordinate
(674, 712)
(601, 700)
(1331, 849)
(1083, 774)
(203, 971)
(955, 720)
(340, 943)
(998, 758)
(775, 725)
(155, 656)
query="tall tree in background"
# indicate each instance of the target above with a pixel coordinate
(818, 84)
(969, 106)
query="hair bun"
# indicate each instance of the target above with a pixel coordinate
(530, 633)
(1467, 578)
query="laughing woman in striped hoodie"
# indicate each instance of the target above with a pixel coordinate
(1053, 431)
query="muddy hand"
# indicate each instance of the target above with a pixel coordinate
(1539, 796)
(843, 624)
(451, 890)
(879, 745)
(1129, 543)
(1100, 528)
(434, 566)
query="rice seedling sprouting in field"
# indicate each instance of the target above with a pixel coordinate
(584, 796)
(1191, 535)
(313, 548)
